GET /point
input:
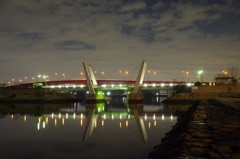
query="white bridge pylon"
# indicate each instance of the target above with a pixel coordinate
(92, 82)
(140, 77)
(91, 79)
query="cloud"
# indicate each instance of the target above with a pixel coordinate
(119, 33)
(75, 45)
(133, 6)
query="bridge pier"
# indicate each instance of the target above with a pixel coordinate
(93, 96)
(135, 98)
(136, 95)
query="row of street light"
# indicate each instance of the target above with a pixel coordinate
(187, 74)
(62, 76)
(125, 74)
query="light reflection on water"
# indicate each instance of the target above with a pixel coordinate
(60, 131)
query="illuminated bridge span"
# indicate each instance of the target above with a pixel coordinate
(108, 84)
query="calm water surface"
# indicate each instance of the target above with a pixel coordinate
(71, 131)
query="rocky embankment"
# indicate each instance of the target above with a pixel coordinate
(208, 130)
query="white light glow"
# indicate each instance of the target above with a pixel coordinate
(145, 117)
(38, 126)
(162, 117)
(44, 124)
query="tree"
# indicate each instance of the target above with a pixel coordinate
(182, 89)
(233, 72)
(197, 83)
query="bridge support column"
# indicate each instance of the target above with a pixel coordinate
(137, 96)
(93, 96)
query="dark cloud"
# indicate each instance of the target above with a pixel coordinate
(119, 33)
(129, 30)
(227, 24)
(29, 36)
(147, 34)
(75, 45)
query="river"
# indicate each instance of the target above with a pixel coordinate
(80, 130)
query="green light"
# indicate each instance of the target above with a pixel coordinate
(99, 107)
(200, 72)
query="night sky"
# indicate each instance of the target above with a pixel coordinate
(56, 36)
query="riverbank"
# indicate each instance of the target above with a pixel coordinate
(35, 96)
(189, 98)
(209, 129)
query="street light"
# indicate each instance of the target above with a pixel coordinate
(187, 73)
(39, 76)
(56, 75)
(81, 73)
(200, 76)
(225, 73)
(155, 73)
(126, 74)
(148, 73)
(45, 79)
(120, 73)
(182, 75)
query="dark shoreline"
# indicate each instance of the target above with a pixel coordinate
(209, 129)
(36, 101)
